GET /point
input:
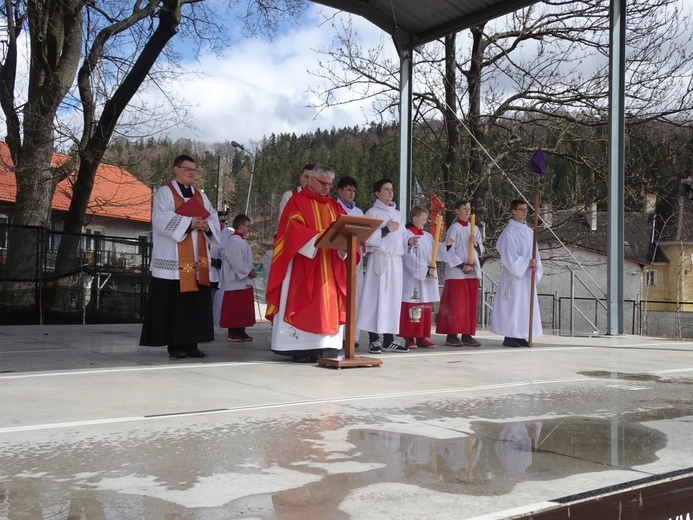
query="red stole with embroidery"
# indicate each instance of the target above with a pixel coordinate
(187, 266)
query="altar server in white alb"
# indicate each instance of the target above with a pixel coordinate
(217, 253)
(215, 258)
(510, 317)
(238, 272)
(420, 283)
(346, 193)
(381, 300)
(458, 305)
(179, 306)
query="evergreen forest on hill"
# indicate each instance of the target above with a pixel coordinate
(658, 155)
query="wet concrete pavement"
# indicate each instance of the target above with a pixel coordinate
(93, 426)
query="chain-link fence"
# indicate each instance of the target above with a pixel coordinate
(53, 277)
(666, 319)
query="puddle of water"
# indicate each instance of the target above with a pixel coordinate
(634, 377)
(507, 452)
(620, 375)
(304, 468)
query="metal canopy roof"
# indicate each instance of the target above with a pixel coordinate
(414, 22)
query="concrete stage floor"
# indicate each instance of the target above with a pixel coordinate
(93, 426)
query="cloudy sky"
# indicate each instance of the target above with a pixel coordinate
(259, 87)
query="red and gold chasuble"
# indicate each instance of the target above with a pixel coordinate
(186, 252)
(316, 301)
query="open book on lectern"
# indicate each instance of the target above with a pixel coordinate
(336, 236)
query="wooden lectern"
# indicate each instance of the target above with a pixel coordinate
(346, 233)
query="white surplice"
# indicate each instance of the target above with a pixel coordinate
(416, 288)
(353, 210)
(381, 300)
(237, 264)
(216, 251)
(169, 228)
(224, 235)
(459, 252)
(285, 198)
(510, 316)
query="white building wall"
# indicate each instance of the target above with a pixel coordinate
(120, 228)
(554, 289)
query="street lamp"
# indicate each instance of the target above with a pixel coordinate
(252, 171)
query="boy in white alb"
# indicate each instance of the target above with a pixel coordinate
(510, 315)
(381, 300)
(237, 308)
(458, 305)
(420, 283)
(217, 252)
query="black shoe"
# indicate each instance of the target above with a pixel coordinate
(304, 359)
(522, 342)
(174, 353)
(510, 342)
(194, 352)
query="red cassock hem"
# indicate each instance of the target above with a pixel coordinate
(238, 309)
(411, 329)
(458, 307)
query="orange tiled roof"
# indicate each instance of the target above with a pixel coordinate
(116, 194)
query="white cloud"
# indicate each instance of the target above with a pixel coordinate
(255, 88)
(259, 87)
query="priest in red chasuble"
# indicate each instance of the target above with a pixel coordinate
(306, 290)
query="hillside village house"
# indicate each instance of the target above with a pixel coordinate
(670, 277)
(120, 206)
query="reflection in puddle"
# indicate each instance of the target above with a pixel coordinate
(321, 464)
(545, 449)
(620, 375)
(633, 377)
(517, 443)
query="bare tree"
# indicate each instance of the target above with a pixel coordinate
(523, 81)
(122, 46)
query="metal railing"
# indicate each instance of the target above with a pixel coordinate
(106, 279)
(52, 277)
(573, 278)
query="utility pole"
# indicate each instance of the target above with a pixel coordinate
(220, 185)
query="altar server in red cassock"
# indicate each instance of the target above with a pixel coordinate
(238, 272)
(458, 305)
(419, 283)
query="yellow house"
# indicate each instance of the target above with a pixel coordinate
(668, 281)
